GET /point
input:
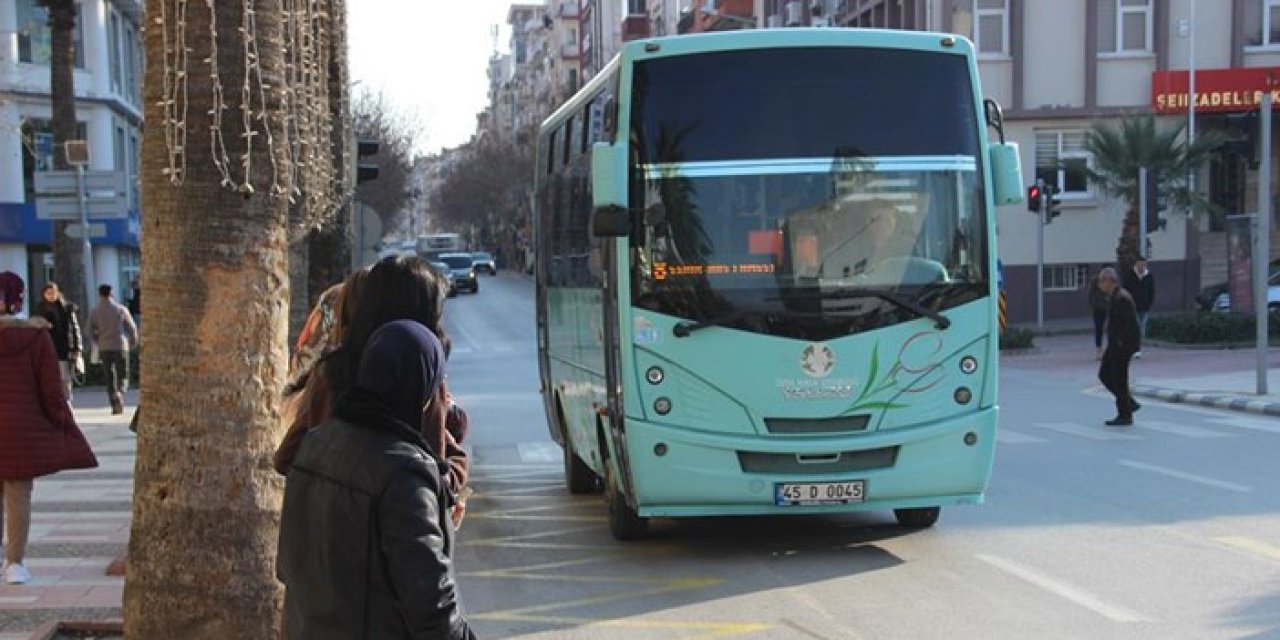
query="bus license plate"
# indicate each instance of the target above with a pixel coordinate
(800, 493)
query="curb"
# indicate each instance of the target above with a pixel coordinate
(1218, 401)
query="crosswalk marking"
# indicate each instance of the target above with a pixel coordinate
(1174, 428)
(1081, 431)
(1008, 436)
(1189, 477)
(1249, 424)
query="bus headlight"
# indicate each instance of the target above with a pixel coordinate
(968, 364)
(662, 405)
(655, 375)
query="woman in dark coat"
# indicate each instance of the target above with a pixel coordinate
(65, 331)
(365, 536)
(38, 433)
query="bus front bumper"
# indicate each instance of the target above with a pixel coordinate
(706, 474)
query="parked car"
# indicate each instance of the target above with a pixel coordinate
(462, 271)
(1223, 301)
(484, 262)
(1211, 296)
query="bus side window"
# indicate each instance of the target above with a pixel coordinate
(551, 153)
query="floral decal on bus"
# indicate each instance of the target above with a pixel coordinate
(916, 369)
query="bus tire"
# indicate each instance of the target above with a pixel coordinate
(624, 523)
(918, 517)
(579, 478)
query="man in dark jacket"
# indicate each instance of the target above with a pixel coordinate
(365, 535)
(1124, 338)
(1142, 286)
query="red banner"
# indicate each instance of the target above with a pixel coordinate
(1217, 90)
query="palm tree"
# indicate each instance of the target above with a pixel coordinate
(206, 501)
(1120, 151)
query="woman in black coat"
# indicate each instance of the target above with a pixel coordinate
(65, 332)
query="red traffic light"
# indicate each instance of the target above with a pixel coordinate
(1034, 193)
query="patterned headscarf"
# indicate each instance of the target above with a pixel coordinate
(11, 291)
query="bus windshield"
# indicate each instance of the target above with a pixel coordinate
(795, 192)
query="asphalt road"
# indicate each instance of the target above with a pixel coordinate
(1168, 530)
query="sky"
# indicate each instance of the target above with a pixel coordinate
(430, 58)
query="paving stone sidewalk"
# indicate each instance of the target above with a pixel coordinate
(80, 525)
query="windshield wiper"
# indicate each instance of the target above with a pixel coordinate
(683, 329)
(940, 321)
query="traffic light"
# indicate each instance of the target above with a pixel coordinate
(1033, 198)
(1151, 189)
(366, 171)
(1054, 203)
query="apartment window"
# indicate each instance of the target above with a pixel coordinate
(1062, 162)
(113, 52)
(132, 65)
(1124, 26)
(1066, 277)
(35, 43)
(635, 7)
(986, 20)
(1262, 21)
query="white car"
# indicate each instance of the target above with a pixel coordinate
(1223, 301)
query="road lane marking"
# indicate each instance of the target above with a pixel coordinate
(531, 536)
(551, 516)
(515, 467)
(535, 452)
(1177, 429)
(1189, 477)
(711, 630)
(1252, 546)
(1008, 436)
(1081, 431)
(1074, 594)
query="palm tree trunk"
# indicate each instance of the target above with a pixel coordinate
(206, 502)
(330, 247)
(1128, 249)
(68, 253)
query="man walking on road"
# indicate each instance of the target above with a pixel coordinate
(113, 332)
(1142, 286)
(1124, 338)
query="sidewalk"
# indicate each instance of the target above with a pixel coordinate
(80, 526)
(1218, 378)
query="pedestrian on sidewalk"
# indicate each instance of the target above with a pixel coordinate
(383, 568)
(65, 330)
(1098, 303)
(1142, 286)
(1124, 338)
(114, 333)
(38, 433)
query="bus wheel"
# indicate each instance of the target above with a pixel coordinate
(624, 523)
(918, 518)
(577, 475)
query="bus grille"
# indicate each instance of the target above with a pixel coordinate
(842, 424)
(798, 464)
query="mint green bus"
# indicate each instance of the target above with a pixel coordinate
(765, 276)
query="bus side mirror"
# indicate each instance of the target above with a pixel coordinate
(1006, 172)
(609, 215)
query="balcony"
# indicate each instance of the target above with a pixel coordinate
(570, 51)
(635, 27)
(568, 9)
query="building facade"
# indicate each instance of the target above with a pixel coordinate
(108, 84)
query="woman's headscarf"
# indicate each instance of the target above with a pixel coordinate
(402, 365)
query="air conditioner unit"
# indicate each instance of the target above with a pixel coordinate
(774, 22)
(821, 22)
(795, 14)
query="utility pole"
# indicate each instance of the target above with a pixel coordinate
(1262, 252)
(1144, 205)
(1043, 213)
